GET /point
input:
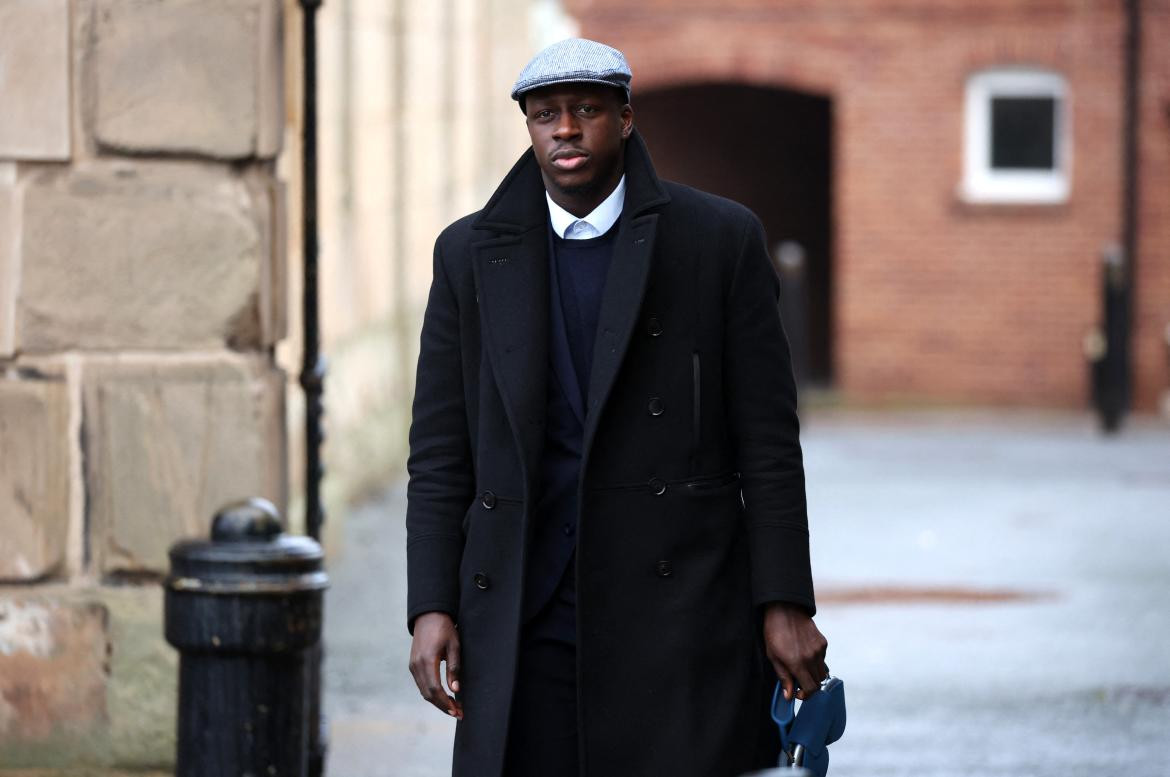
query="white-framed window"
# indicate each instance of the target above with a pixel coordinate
(1016, 145)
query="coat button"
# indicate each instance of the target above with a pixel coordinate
(568, 529)
(664, 569)
(657, 486)
(655, 406)
(653, 326)
(488, 500)
(481, 581)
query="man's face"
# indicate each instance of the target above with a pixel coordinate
(578, 132)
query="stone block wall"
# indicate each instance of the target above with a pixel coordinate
(142, 294)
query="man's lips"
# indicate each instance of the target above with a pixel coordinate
(568, 159)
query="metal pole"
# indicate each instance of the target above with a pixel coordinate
(313, 365)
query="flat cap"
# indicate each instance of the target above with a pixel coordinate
(573, 60)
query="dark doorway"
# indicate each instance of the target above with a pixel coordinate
(769, 149)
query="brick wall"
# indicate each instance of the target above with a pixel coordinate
(937, 298)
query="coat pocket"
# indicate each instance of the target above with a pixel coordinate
(712, 484)
(696, 408)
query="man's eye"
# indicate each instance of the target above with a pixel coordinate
(587, 108)
(543, 114)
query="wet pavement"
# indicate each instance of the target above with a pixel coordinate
(993, 587)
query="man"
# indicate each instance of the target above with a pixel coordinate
(607, 535)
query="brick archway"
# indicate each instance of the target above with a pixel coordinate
(771, 150)
(664, 66)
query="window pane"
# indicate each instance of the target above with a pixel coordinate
(1022, 133)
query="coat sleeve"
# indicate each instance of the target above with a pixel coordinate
(442, 478)
(761, 407)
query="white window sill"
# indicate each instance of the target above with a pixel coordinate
(1012, 192)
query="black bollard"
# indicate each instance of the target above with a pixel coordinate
(244, 611)
(791, 263)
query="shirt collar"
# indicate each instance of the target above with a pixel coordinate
(600, 218)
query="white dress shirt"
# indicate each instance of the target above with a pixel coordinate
(597, 223)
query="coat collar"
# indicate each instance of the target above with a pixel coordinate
(518, 203)
(600, 219)
(511, 267)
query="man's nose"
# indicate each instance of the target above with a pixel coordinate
(567, 126)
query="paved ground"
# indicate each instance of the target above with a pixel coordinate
(993, 587)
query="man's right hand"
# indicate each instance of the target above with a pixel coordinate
(436, 640)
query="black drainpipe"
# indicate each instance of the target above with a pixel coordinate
(1116, 384)
(1131, 203)
(1130, 215)
(313, 365)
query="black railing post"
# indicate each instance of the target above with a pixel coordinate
(312, 376)
(1106, 345)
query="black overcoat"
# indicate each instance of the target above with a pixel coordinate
(691, 497)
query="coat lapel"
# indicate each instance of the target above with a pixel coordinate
(625, 283)
(511, 278)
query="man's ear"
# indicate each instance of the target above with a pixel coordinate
(627, 115)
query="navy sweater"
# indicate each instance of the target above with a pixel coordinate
(577, 274)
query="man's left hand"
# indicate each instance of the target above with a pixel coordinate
(796, 649)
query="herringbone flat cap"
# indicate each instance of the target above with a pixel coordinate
(573, 60)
